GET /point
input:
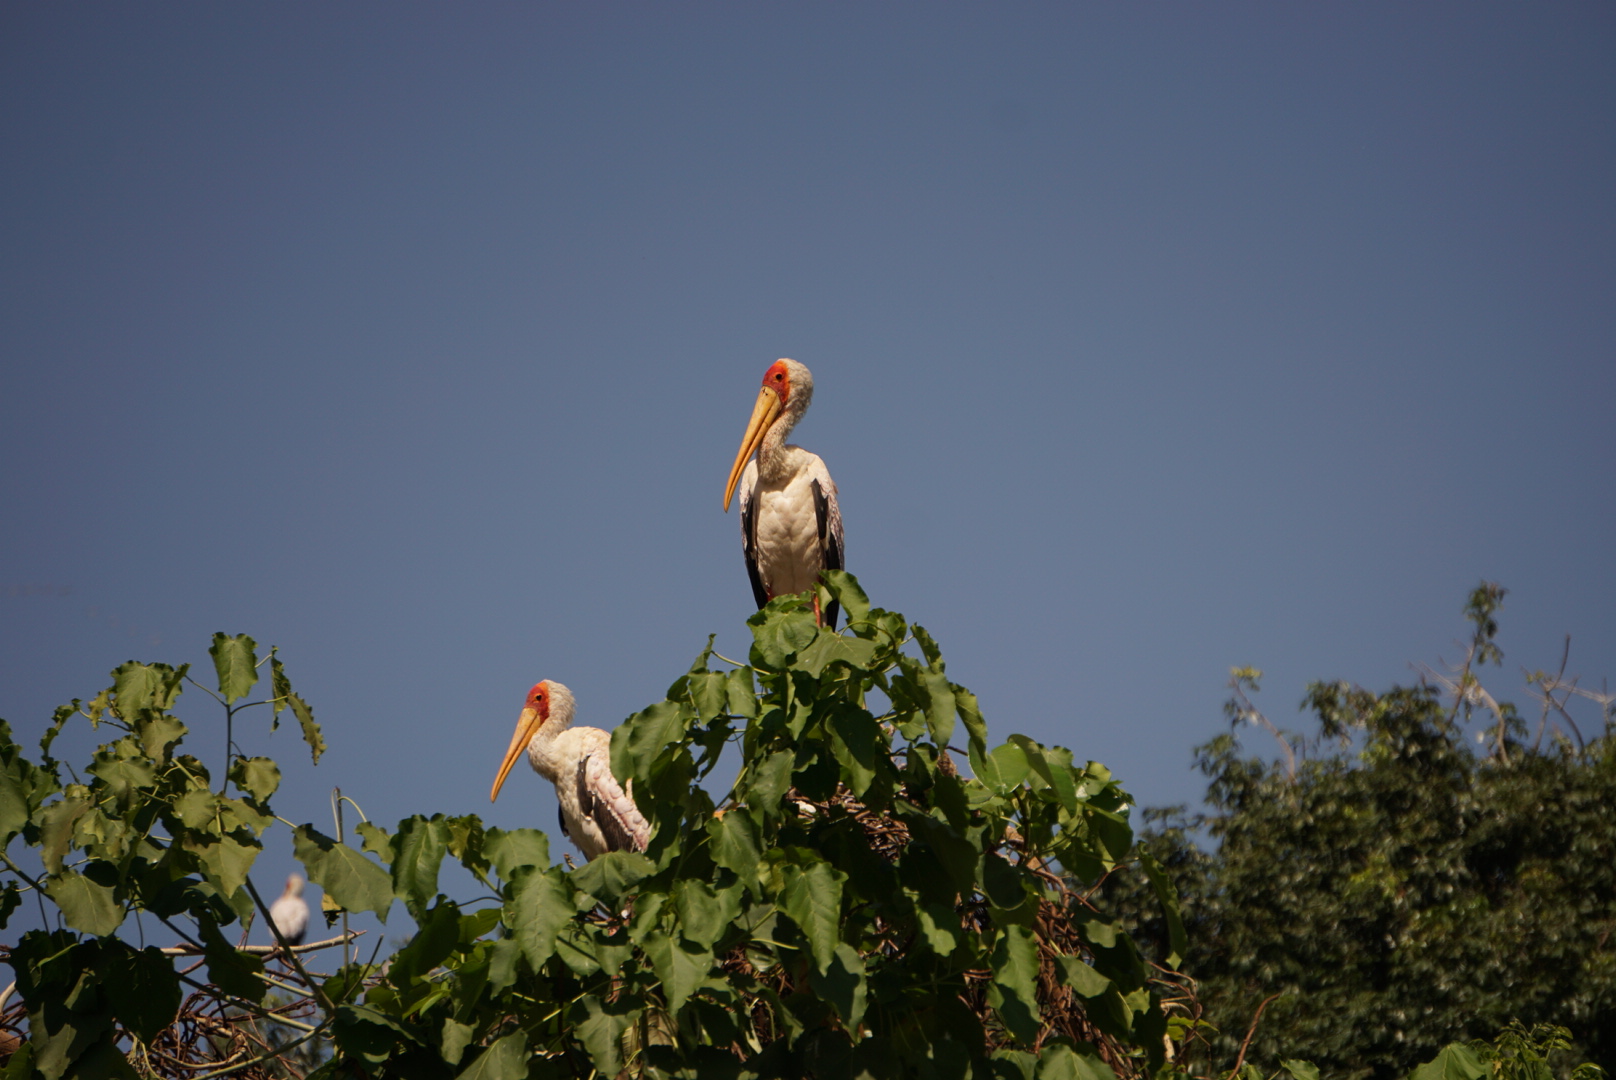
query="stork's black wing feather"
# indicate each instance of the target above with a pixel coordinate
(830, 542)
(749, 546)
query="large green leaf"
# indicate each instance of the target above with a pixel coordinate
(1013, 991)
(610, 876)
(505, 1059)
(510, 850)
(540, 904)
(236, 661)
(842, 984)
(258, 776)
(353, 881)
(232, 971)
(146, 686)
(812, 898)
(418, 850)
(225, 860)
(1060, 1061)
(679, 969)
(600, 1025)
(734, 838)
(85, 905)
(1083, 979)
(780, 630)
(1456, 1062)
(638, 741)
(940, 706)
(704, 912)
(144, 990)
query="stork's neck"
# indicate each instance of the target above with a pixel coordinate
(542, 752)
(774, 456)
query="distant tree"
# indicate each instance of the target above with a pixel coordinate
(1394, 887)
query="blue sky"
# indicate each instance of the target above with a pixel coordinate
(1148, 340)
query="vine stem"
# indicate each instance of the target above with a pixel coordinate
(1251, 1031)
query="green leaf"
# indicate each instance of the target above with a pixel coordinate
(144, 990)
(842, 984)
(454, 1040)
(56, 823)
(1456, 1062)
(86, 906)
(311, 730)
(1301, 1070)
(638, 741)
(505, 1059)
(509, 851)
(779, 631)
(939, 706)
(419, 847)
(377, 840)
(138, 687)
(260, 777)
(970, 715)
(1013, 991)
(353, 881)
(600, 1025)
(1083, 979)
(231, 971)
(704, 912)
(939, 925)
(224, 859)
(812, 898)
(1060, 1061)
(280, 688)
(742, 697)
(679, 969)
(1167, 895)
(609, 877)
(541, 904)
(158, 732)
(1003, 770)
(436, 938)
(236, 661)
(770, 780)
(845, 589)
(734, 844)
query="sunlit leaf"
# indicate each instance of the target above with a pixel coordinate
(540, 904)
(510, 850)
(704, 912)
(1456, 1062)
(258, 776)
(235, 659)
(1083, 979)
(1013, 991)
(812, 898)
(611, 875)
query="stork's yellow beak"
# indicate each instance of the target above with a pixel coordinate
(764, 413)
(527, 726)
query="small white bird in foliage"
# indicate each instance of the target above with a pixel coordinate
(791, 525)
(596, 813)
(290, 913)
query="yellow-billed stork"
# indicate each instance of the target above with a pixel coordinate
(596, 813)
(791, 526)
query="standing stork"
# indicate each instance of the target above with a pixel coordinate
(791, 527)
(596, 813)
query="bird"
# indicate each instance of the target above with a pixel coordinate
(596, 813)
(791, 524)
(290, 913)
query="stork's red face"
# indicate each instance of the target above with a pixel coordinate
(535, 711)
(538, 699)
(778, 379)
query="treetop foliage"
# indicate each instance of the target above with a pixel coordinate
(852, 906)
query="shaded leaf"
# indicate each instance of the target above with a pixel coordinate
(418, 850)
(812, 898)
(143, 989)
(1013, 991)
(508, 851)
(353, 881)
(842, 984)
(1168, 897)
(86, 906)
(679, 969)
(231, 971)
(541, 904)
(735, 844)
(610, 876)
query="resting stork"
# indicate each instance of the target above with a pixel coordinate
(596, 813)
(791, 527)
(290, 913)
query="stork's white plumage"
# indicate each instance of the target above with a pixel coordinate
(791, 525)
(596, 813)
(290, 913)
